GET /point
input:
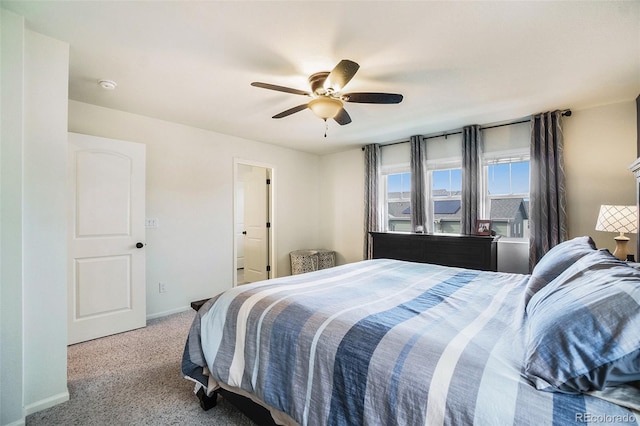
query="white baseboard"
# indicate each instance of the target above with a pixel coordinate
(20, 422)
(46, 403)
(165, 313)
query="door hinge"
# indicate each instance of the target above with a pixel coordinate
(268, 224)
(268, 181)
(268, 268)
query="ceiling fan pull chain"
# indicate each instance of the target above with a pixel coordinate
(326, 127)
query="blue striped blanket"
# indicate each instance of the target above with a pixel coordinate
(383, 342)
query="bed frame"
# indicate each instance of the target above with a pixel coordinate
(249, 408)
(254, 411)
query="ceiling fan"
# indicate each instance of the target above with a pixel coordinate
(327, 100)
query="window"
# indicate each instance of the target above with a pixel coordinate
(503, 186)
(446, 189)
(395, 187)
(507, 198)
(397, 202)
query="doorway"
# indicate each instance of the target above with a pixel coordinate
(254, 241)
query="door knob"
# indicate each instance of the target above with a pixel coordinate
(244, 232)
(139, 245)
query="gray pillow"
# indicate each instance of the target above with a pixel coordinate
(556, 261)
(584, 327)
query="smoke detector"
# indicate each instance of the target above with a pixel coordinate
(107, 84)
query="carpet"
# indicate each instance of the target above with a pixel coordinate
(134, 378)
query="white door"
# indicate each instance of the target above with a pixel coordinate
(239, 212)
(256, 217)
(106, 285)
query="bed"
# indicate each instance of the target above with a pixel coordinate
(388, 342)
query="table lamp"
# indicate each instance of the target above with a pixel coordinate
(618, 219)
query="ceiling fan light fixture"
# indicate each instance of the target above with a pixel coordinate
(326, 100)
(325, 107)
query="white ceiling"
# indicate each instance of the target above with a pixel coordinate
(456, 63)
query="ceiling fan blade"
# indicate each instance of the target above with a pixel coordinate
(280, 88)
(372, 98)
(341, 75)
(291, 111)
(342, 117)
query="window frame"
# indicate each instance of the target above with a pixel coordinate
(503, 157)
(452, 163)
(384, 189)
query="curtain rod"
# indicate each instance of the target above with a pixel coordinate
(565, 113)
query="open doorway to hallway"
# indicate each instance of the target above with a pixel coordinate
(253, 222)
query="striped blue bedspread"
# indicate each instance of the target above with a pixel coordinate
(383, 342)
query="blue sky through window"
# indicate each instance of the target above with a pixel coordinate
(503, 179)
(400, 182)
(449, 180)
(509, 178)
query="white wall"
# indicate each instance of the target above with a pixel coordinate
(190, 191)
(600, 144)
(44, 221)
(34, 115)
(342, 195)
(11, 127)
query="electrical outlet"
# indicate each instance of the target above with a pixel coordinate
(162, 288)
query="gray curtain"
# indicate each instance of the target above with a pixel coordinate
(548, 205)
(418, 189)
(471, 150)
(372, 220)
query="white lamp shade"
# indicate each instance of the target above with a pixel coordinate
(325, 107)
(618, 219)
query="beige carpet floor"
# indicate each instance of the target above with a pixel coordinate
(134, 378)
